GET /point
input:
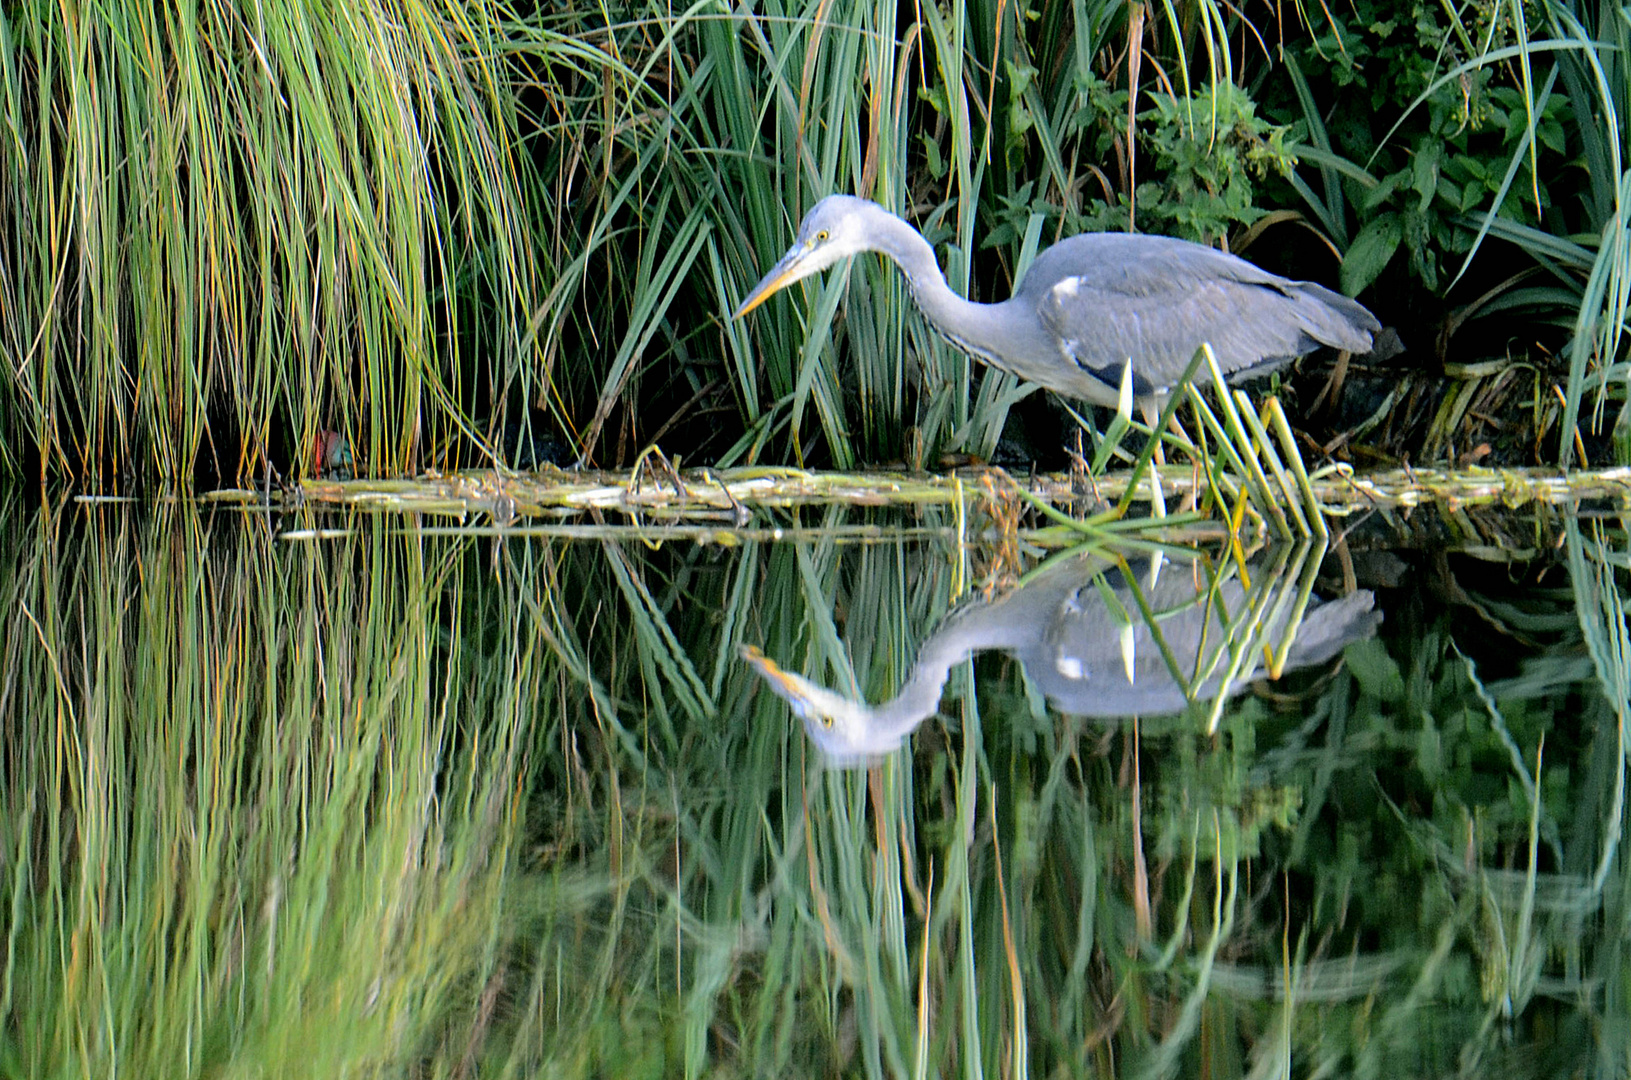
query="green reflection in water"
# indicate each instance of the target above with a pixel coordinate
(395, 804)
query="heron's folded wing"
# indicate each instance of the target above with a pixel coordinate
(1109, 298)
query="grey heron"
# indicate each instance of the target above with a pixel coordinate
(1077, 631)
(1094, 305)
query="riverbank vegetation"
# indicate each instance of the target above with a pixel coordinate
(481, 233)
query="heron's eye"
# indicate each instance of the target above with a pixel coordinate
(824, 721)
(821, 237)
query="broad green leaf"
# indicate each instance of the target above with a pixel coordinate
(1369, 255)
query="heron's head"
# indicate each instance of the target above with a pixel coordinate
(835, 228)
(844, 730)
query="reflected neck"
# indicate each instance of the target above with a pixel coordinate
(919, 698)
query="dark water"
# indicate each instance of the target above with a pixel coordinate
(394, 799)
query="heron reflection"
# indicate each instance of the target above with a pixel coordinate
(1097, 643)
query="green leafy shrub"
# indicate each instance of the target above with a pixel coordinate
(1447, 160)
(1203, 156)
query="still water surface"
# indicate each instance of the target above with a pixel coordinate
(393, 800)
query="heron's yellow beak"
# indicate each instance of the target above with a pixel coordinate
(791, 268)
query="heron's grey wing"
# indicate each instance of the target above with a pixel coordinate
(1110, 298)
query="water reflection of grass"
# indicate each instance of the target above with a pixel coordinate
(261, 806)
(450, 807)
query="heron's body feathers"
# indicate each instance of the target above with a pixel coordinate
(1111, 298)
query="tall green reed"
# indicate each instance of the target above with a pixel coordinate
(1594, 75)
(228, 229)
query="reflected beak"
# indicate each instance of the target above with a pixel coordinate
(815, 706)
(779, 680)
(790, 269)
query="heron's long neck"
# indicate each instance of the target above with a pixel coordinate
(975, 328)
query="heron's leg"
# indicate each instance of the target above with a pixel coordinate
(1331, 392)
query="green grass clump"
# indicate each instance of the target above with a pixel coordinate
(226, 229)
